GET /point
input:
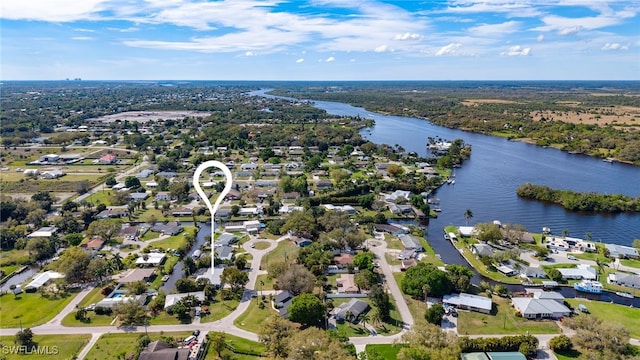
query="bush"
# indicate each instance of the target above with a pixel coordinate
(561, 343)
(103, 311)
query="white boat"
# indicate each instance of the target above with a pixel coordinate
(588, 286)
(624, 294)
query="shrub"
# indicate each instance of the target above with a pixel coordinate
(561, 343)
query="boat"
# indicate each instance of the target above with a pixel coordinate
(588, 286)
(609, 160)
(453, 182)
(624, 294)
(437, 210)
(165, 278)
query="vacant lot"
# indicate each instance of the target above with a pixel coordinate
(613, 115)
(57, 346)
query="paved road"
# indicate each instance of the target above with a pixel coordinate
(95, 189)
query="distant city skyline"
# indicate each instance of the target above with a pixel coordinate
(319, 40)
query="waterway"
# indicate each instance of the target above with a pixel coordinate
(204, 230)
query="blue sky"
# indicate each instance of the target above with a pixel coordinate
(319, 40)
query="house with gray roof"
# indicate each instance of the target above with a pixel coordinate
(534, 272)
(471, 302)
(482, 249)
(411, 242)
(226, 239)
(355, 307)
(531, 308)
(620, 251)
(171, 228)
(624, 279)
(582, 272)
(224, 252)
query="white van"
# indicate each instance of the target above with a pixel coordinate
(189, 339)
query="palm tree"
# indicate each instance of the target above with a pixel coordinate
(426, 289)
(376, 318)
(116, 261)
(565, 233)
(364, 319)
(349, 316)
(587, 236)
(468, 215)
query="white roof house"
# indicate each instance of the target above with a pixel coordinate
(172, 299)
(585, 272)
(46, 231)
(466, 230)
(112, 301)
(531, 308)
(398, 194)
(152, 259)
(620, 251)
(411, 242)
(215, 277)
(40, 279)
(481, 304)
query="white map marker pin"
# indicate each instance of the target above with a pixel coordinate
(212, 208)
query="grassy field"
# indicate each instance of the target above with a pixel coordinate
(173, 242)
(29, 309)
(631, 263)
(502, 321)
(384, 351)
(626, 316)
(100, 197)
(268, 282)
(150, 235)
(261, 245)
(219, 309)
(238, 349)
(254, 317)
(285, 250)
(49, 346)
(115, 346)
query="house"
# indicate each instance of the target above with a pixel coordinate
(138, 196)
(182, 212)
(301, 241)
(283, 301)
(43, 232)
(346, 284)
(235, 226)
(226, 239)
(224, 252)
(507, 270)
(398, 194)
(250, 211)
(265, 183)
(52, 174)
(108, 159)
(167, 174)
(343, 260)
(287, 209)
(94, 244)
(163, 196)
(112, 301)
(345, 208)
(160, 350)
(471, 302)
(233, 195)
(144, 173)
(215, 277)
(134, 275)
(112, 213)
(582, 272)
(171, 228)
(411, 242)
(534, 272)
(493, 355)
(623, 252)
(129, 233)
(290, 195)
(41, 279)
(250, 166)
(172, 299)
(354, 308)
(531, 308)
(252, 226)
(466, 231)
(624, 279)
(390, 229)
(407, 263)
(407, 254)
(399, 209)
(546, 295)
(150, 259)
(49, 158)
(482, 250)
(324, 184)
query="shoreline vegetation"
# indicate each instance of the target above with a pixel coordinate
(573, 118)
(576, 201)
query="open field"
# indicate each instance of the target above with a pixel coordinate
(238, 349)
(49, 346)
(286, 250)
(115, 346)
(613, 115)
(144, 116)
(476, 102)
(384, 351)
(503, 320)
(628, 317)
(16, 311)
(254, 317)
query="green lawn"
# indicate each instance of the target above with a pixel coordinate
(392, 326)
(626, 316)
(100, 197)
(268, 282)
(384, 351)
(285, 250)
(173, 242)
(29, 309)
(238, 349)
(49, 346)
(252, 319)
(150, 235)
(219, 309)
(261, 245)
(14, 257)
(504, 321)
(631, 262)
(113, 346)
(568, 355)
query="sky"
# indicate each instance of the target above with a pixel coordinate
(320, 40)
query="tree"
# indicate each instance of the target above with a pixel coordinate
(636, 243)
(132, 182)
(428, 342)
(381, 301)
(73, 263)
(73, 239)
(561, 343)
(25, 338)
(554, 274)
(235, 278)
(111, 181)
(106, 229)
(137, 287)
(468, 215)
(274, 334)
(487, 232)
(365, 279)
(315, 344)
(460, 276)
(40, 249)
(188, 265)
(423, 273)
(131, 312)
(306, 309)
(300, 222)
(434, 314)
(186, 285)
(218, 342)
(395, 170)
(98, 268)
(44, 200)
(364, 260)
(241, 262)
(297, 279)
(541, 251)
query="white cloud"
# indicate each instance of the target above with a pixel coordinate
(352, 60)
(84, 30)
(82, 38)
(495, 29)
(511, 9)
(615, 46)
(382, 48)
(54, 11)
(249, 53)
(448, 49)
(299, 60)
(408, 36)
(517, 51)
(330, 59)
(569, 26)
(572, 30)
(540, 38)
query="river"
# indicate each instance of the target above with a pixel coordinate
(204, 229)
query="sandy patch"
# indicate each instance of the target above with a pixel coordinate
(476, 102)
(144, 116)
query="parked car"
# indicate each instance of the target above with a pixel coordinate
(196, 332)
(571, 257)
